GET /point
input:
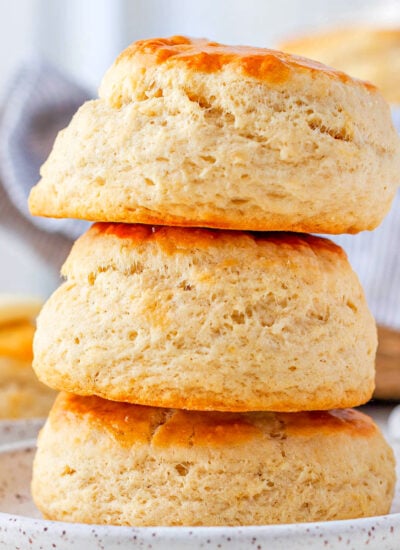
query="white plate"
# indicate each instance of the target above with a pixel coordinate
(22, 528)
(19, 430)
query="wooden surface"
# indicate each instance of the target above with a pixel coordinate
(388, 364)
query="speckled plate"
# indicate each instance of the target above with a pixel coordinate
(22, 528)
(19, 430)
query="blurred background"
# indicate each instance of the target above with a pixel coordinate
(82, 37)
(53, 54)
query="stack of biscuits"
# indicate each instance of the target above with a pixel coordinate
(206, 348)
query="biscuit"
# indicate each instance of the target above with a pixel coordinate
(194, 133)
(16, 340)
(365, 52)
(114, 463)
(21, 393)
(18, 307)
(208, 320)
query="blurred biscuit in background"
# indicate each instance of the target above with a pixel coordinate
(21, 394)
(369, 53)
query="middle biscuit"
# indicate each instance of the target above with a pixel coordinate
(208, 320)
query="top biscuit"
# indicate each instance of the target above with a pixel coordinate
(366, 52)
(194, 133)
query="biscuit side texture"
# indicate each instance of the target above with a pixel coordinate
(208, 320)
(103, 462)
(192, 133)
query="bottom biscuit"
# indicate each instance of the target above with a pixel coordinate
(114, 463)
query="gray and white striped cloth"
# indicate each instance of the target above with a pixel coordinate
(40, 101)
(375, 257)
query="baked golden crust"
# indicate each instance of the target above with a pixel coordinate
(194, 134)
(132, 424)
(201, 55)
(198, 398)
(208, 320)
(171, 239)
(102, 462)
(120, 213)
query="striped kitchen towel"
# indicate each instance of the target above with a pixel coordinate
(39, 102)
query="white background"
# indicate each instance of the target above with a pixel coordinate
(83, 36)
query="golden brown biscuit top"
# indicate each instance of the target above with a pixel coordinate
(130, 424)
(325, 422)
(201, 55)
(173, 239)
